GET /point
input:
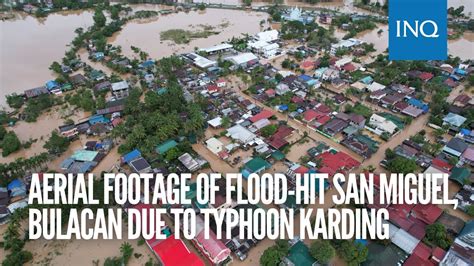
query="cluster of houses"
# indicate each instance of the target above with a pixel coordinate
(12, 198)
(407, 225)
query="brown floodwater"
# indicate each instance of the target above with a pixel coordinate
(462, 47)
(29, 46)
(145, 34)
(25, 58)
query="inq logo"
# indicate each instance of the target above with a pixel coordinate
(417, 29)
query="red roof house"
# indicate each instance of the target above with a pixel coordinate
(338, 162)
(425, 76)
(349, 67)
(172, 252)
(441, 165)
(212, 88)
(428, 213)
(309, 115)
(213, 248)
(264, 114)
(270, 93)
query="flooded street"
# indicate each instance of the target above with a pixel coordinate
(145, 34)
(39, 131)
(29, 46)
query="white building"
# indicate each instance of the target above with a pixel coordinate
(240, 134)
(349, 43)
(242, 59)
(201, 61)
(375, 87)
(223, 47)
(264, 48)
(214, 145)
(120, 89)
(382, 125)
(216, 122)
(267, 36)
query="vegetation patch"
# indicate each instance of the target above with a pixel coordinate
(180, 36)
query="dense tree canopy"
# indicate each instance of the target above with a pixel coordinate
(322, 251)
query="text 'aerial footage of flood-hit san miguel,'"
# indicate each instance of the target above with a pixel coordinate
(233, 86)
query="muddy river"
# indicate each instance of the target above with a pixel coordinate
(29, 45)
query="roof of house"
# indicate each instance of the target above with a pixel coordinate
(299, 255)
(412, 111)
(441, 165)
(425, 76)
(256, 164)
(337, 161)
(460, 175)
(121, 85)
(173, 251)
(428, 213)
(451, 222)
(36, 92)
(140, 164)
(457, 144)
(217, 251)
(166, 146)
(264, 114)
(375, 87)
(84, 155)
(468, 154)
(309, 115)
(454, 119)
(131, 156)
(335, 125)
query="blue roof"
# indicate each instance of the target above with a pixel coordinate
(51, 84)
(131, 156)
(147, 63)
(15, 184)
(283, 107)
(367, 80)
(245, 173)
(66, 163)
(161, 91)
(99, 55)
(417, 103)
(465, 131)
(305, 77)
(98, 119)
(460, 71)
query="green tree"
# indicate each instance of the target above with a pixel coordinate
(437, 234)
(470, 210)
(126, 250)
(15, 101)
(56, 143)
(402, 165)
(99, 18)
(10, 143)
(322, 251)
(274, 254)
(268, 130)
(56, 67)
(353, 253)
